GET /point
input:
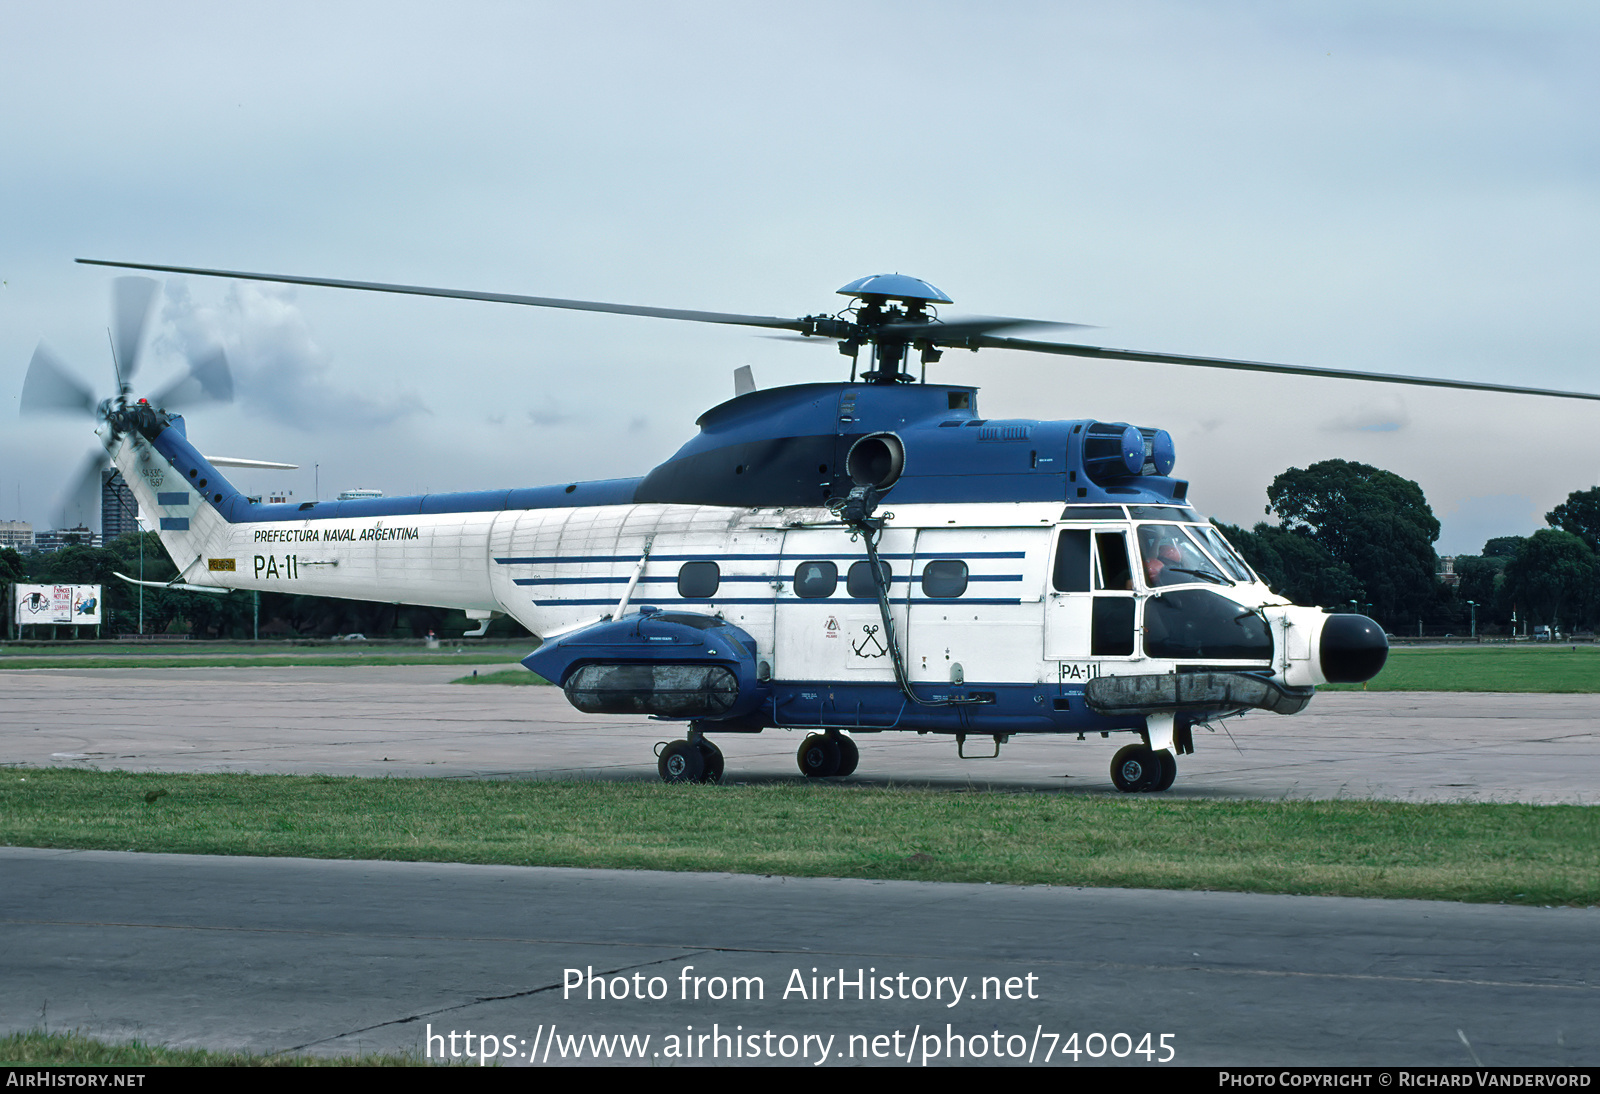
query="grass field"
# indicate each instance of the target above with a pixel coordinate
(517, 677)
(37, 1048)
(1519, 854)
(1524, 668)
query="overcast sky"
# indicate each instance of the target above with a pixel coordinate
(1391, 187)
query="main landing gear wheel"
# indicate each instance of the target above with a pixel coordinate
(682, 762)
(1169, 771)
(712, 755)
(820, 756)
(849, 755)
(1136, 768)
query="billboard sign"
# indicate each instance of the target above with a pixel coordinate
(75, 604)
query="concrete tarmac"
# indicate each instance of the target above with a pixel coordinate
(413, 721)
(276, 955)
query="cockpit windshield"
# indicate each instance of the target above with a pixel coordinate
(1171, 557)
(1187, 554)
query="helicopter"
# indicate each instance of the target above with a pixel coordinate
(1031, 577)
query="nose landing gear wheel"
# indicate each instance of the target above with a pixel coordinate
(681, 762)
(1136, 768)
(819, 756)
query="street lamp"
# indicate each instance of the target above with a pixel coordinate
(1473, 604)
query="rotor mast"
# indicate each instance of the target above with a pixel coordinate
(892, 312)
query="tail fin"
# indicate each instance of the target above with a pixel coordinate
(190, 501)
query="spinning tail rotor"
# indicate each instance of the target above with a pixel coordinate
(51, 388)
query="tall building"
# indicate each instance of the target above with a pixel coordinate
(17, 534)
(119, 513)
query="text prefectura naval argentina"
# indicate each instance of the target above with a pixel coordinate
(331, 535)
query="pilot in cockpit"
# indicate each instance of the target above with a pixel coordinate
(1161, 557)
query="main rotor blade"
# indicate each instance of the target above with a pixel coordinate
(987, 342)
(50, 388)
(131, 298)
(961, 331)
(465, 294)
(80, 505)
(207, 381)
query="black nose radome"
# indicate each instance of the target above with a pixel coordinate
(1353, 649)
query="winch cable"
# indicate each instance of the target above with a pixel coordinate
(870, 531)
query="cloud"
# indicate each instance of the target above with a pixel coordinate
(278, 369)
(1380, 414)
(549, 414)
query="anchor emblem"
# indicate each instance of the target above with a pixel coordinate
(870, 642)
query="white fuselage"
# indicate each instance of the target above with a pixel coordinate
(1010, 621)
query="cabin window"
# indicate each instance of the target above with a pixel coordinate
(944, 578)
(1072, 561)
(813, 580)
(859, 584)
(698, 580)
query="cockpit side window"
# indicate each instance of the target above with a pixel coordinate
(1072, 561)
(1224, 553)
(1112, 551)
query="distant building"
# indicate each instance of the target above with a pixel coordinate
(359, 492)
(57, 538)
(119, 513)
(1447, 571)
(272, 497)
(17, 534)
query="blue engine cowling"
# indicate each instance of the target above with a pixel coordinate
(669, 664)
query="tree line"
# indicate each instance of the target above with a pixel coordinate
(1354, 537)
(1348, 537)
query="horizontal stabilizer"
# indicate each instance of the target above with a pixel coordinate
(179, 586)
(265, 465)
